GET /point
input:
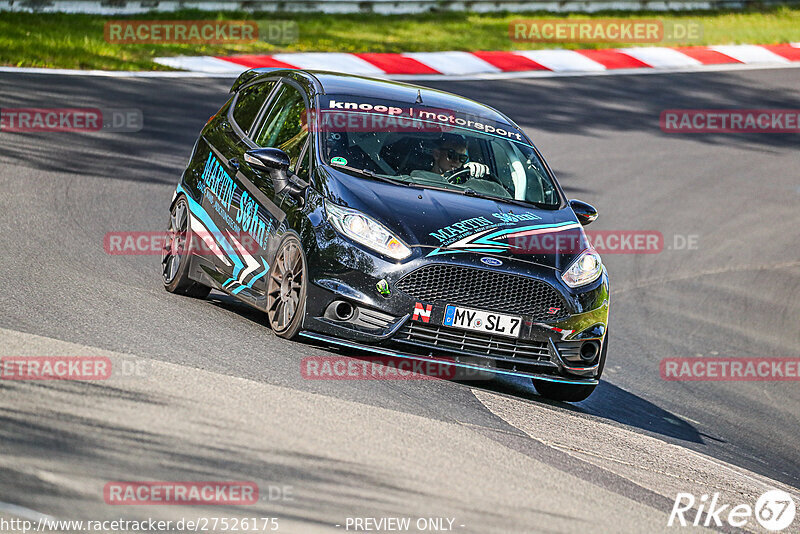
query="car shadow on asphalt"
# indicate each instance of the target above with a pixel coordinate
(612, 403)
(226, 302)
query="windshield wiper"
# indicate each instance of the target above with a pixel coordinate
(524, 203)
(372, 174)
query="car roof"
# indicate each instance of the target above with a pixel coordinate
(341, 84)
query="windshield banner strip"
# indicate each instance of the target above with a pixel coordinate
(338, 115)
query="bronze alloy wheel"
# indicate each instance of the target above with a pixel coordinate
(286, 289)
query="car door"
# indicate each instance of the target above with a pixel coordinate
(227, 194)
(280, 124)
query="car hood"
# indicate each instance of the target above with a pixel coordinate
(446, 225)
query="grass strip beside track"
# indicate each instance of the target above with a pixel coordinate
(77, 41)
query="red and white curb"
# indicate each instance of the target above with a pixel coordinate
(419, 65)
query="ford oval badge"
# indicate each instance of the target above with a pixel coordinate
(494, 262)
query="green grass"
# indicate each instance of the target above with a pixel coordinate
(77, 41)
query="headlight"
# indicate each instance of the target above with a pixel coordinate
(366, 231)
(586, 268)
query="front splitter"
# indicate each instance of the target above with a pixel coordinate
(393, 353)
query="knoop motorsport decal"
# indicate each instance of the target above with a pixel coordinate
(480, 234)
(241, 217)
(382, 115)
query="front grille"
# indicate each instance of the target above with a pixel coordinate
(481, 288)
(472, 343)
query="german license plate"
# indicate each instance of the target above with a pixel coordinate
(482, 321)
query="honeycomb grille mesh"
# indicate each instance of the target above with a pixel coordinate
(484, 289)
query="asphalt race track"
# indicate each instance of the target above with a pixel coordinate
(220, 398)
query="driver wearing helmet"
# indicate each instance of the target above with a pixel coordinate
(450, 159)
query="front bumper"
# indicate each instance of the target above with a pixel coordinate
(387, 325)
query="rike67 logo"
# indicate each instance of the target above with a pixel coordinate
(774, 510)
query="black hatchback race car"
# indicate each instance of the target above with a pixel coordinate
(395, 219)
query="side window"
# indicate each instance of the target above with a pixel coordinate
(249, 103)
(284, 126)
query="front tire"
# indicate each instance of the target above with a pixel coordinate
(570, 392)
(175, 256)
(286, 288)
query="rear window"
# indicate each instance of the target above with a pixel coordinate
(249, 103)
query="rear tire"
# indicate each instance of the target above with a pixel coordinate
(175, 256)
(570, 392)
(287, 288)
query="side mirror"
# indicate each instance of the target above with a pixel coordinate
(585, 212)
(268, 159)
(276, 162)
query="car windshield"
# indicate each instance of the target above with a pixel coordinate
(433, 148)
